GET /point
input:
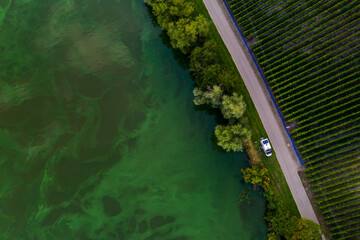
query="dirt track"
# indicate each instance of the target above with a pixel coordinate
(265, 107)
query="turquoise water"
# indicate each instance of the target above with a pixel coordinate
(99, 138)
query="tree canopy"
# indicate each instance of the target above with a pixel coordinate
(212, 97)
(306, 230)
(202, 57)
(231, 137)
(257, 175)
(233, 106)
(185, 33)
(169, 11)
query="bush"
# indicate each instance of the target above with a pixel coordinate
(230, 138)
(233, 106)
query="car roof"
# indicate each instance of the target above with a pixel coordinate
(266, 144)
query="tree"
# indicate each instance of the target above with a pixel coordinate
(306, 230)
(202, 57)
(212, 97)
(161, 11)
(181, 8)
(258, 175)
(186, 33)
(170, 11)
(272, 236)
(202, 26)
(199, 98)
(230, 138)
(209, 76)
(233, 106)
(291, 227)
(282, 223)
(229, 80)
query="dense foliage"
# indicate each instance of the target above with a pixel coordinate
(281, 223)
(309, 54)
(231, 137)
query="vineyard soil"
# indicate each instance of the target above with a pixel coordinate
(309, 55)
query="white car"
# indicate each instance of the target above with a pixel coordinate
(266, 147)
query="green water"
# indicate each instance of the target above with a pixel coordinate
(99, 138)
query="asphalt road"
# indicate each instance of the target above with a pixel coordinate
(279, 140)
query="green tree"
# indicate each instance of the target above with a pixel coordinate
(230, 138)
(306, 230)
(282, 223)
(272, 236)
(258, 175)
(161, 12)
(202, 57)
(170, 11)
(210, 76)
(186, 33)
(233, 106)
(212, 97)
(229, 80)
(291, 227)
(180, 8)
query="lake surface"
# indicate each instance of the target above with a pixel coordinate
(99, 138)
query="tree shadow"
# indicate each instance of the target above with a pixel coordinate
(219, 120)
(152, 16)
(179, 57)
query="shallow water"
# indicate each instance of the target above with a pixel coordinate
(99, 138)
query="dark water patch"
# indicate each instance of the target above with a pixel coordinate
(119, 230)
(140, 211)
(133, 120)
(132, 225)
(180, 58)
(64, 139)
(55, 196)
(56, 213)
(69, 175)
(159, 221)
(111, 206)
(38, 111)
(179, 238)
(158, 235)
(131, 142)
(143, 226)
(86, 83)
(114, 99)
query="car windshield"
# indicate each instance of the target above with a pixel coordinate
(268, 151)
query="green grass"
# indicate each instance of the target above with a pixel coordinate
(255, 123)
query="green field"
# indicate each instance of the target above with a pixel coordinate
(309, 54)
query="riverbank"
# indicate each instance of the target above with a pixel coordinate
(255, 122)
(192, 34)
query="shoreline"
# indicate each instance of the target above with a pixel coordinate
(214, 47)
(279, 139)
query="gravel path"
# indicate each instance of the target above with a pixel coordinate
(280, 141)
